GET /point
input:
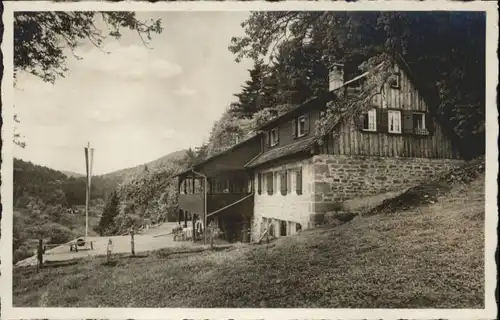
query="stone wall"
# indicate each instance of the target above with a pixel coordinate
(339, 178)
(291, 207)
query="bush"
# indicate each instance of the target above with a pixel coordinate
(21, 253)
(54, 233)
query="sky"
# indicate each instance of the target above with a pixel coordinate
(134, 104)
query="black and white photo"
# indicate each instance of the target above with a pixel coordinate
(269, 157)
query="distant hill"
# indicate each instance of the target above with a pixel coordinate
(66, 187)
(70, 174)
(39, 184)
(119, 175)
(49, 202)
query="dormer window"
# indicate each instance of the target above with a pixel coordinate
(301, 126)
(273, 137)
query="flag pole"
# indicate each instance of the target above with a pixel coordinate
(89, 160)
(87, 191)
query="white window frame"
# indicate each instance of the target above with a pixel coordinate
(299, 134)
(423, 120)
(394, 115)
(372, 120)
(274, 141)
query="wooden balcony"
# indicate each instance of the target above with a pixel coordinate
(192, 202)
(195, 202)
(220, 200)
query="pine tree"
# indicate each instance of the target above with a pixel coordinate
(109, 213)
(256, 94)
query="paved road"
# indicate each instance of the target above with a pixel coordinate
(152, 239)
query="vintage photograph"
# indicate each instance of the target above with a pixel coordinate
(249, 159)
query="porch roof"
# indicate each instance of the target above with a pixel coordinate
(288, 150)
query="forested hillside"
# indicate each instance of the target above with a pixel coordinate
(51, 204)
(118, 176)
(144, 194)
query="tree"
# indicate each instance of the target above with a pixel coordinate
(299, 72)
(109, 213)
(444, 49)
(230, 129)
(256, 93)
(40, 39)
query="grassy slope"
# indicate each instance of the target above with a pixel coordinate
(431, 255)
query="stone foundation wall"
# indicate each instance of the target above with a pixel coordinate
(340, 178)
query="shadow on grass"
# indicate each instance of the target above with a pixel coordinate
(111, 263)
(59, 264)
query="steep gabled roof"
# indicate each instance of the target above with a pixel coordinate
(314, 102)
(307, 144)
(309, 103)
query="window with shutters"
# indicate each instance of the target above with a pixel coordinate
(394, 121)
(419, 125)
(274, 137)
(275, 181)
(418, 120)
(301, 126)
(370, 120)
(283, 182)
(259, 183)
(270, 183)
(298, 182)
(289, 177)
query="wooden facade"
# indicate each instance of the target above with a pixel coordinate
(225, 196)
(287, 127)
(348, 139)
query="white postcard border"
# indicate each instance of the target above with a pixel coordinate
(491, 217)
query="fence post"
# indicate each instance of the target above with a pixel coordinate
(132, 242)
(110, 244)
(40, 254)
(211, 237)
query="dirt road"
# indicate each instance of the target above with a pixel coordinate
(152, 239)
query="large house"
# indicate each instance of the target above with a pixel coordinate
(287, 177)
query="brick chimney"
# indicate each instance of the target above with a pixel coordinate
(336, 76)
